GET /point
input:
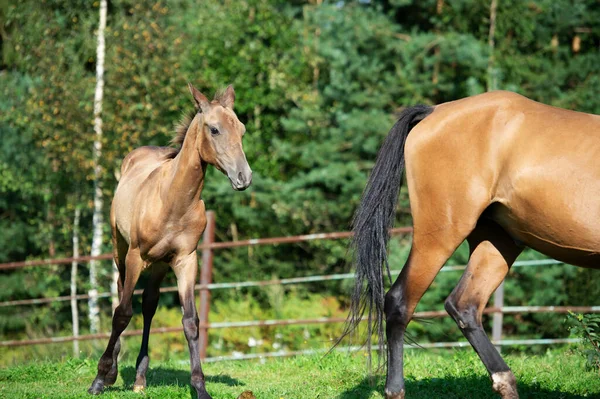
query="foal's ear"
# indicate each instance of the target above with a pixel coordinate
(199, 98)
(228, 97)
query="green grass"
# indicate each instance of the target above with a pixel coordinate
(445, 374)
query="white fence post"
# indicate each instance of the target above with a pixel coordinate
(497, 321)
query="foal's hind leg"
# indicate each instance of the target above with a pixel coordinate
(492, 253)
(121, 318)
(149, 304)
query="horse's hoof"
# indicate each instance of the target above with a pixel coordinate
(111, 378)
(394, 395)
(204, 395)
(139, 388)
(96, 388)
(505, 384)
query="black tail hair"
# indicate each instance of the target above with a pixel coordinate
(372, 221)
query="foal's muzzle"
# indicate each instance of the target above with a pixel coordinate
(242, 181)
(240, 175)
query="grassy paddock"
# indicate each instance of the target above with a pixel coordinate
(429, 374)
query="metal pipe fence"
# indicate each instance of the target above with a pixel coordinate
(205, 286)
(248, 284)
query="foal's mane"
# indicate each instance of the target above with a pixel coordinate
(182, 127)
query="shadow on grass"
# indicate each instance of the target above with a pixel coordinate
(466, 387)
(161, 376)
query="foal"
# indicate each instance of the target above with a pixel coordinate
(498, 170)
(157, 218)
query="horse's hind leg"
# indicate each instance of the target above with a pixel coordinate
(149, 304)
(442, 220)
(427, 256)
(134, 264)
(492, 253)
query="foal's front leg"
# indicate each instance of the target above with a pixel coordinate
(186, 268)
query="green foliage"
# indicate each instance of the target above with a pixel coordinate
(317, 84)
(587, 327)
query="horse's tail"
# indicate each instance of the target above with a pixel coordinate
(372, 221)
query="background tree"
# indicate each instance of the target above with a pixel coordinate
(318, 86)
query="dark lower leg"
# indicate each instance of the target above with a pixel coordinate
(396, 322)
(191, 328)
(119, 253)
(503, 379)
(111, 376)
(492, 253)
(149, 305)
(185, 269)
(121, 319)
(141, 365)
(400, 303)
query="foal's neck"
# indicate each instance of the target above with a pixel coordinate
(188, 170)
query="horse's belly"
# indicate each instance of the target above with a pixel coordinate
(571, 237)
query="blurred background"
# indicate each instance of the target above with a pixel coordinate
(318, 84)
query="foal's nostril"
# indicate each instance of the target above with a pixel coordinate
(240, 177)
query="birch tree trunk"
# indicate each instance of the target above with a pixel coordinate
(492, 73)
(97, 220)
(114, 291)
(74, 310)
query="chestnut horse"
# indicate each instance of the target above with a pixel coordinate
(157, 218)
(498, 170)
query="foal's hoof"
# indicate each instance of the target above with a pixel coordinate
(246, 395)
(139, 388)
(96, 388)
(394, 395)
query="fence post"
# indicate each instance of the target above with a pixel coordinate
(497, 321)
(206, 278)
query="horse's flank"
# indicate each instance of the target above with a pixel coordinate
(523, 157)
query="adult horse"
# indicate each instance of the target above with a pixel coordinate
(157, 218)
(498, 170)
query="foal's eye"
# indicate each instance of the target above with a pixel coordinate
(214, 131)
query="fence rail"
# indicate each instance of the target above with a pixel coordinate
(210, 246)
(247, 284)
(206, 285)
(289, 322)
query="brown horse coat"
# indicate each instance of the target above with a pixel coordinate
(157, 219)
(498, 170)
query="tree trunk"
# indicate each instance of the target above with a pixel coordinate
(97, 219)
(74, 310)
(114, 291)
(492, 78)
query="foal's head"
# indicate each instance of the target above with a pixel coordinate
(220, 137)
